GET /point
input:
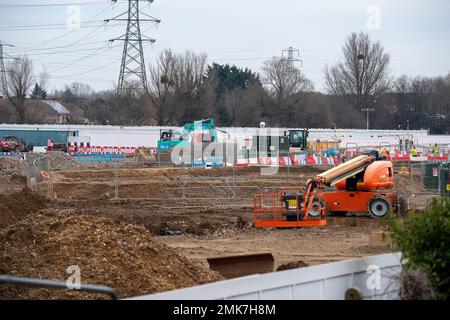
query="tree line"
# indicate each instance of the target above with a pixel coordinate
(183, 87)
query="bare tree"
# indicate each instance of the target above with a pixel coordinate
(19, 79)
(81, 90)
(161, 87)
(179, 89)
(43, 79)
(284, 78)
(364, 71)
(40, 88)
(190, 69)
(402, 85)
(193, 92)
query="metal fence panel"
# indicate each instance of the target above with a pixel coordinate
(35, 170)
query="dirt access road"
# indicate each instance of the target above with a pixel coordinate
(343, 238)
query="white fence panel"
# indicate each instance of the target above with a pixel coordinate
(375, 276)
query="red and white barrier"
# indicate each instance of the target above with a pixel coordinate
(102, 150)
(443, 157)
(242, 163)
(264, 161)
(291, 160)
(284, 161)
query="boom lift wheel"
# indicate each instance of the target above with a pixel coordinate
(315, 205)
(379, 207)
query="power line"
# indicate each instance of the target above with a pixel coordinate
(83, 24)
(62, 49)
(96, 52)
(89, 55)
(70, 32)
(71, 44)
(242, 59)
(75, 56)
(91, 3)
(85, 72)
(68, 51)
(64, 46)
(52, 28)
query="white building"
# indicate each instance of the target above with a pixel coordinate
(148, 136)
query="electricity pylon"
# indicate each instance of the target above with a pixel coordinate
(292, 55)
(3, 56)
(133, 64)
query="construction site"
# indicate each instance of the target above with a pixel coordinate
(163, 228)
(215, 164)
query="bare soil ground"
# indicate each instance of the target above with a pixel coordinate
(212, 224)
(108, 252)
(343, 238)
(212, 232)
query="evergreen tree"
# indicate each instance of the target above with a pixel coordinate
(38, 93)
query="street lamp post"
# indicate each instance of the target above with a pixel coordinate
(361, 58)
(368, 110)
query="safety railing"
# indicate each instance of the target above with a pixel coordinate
(211, 196)
(289, 207)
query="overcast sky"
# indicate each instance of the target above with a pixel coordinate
(242, 32)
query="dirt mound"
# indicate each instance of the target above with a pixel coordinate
(57, 160)
(10, 167)
(292, 265)
(108, 252)
(15, 206)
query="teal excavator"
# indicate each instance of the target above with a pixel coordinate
(198, 131)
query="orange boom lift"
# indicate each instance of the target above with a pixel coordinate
(361, 184)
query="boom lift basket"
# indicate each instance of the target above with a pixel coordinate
(289, 208)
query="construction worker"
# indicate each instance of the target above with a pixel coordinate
(413, 151)
(436, 150)
(384, 153)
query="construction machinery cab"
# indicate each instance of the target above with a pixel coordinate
(167, 140)
(166, 135)
(202, 131)
(297, 138)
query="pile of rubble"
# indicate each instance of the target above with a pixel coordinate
(60, 160)
(108, 252)
(57, 160)
(10, 167)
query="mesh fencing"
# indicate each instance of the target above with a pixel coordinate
(38, 174)
(425, 181)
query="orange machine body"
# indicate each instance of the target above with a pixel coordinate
(353, 194)
(353, 201)
(379, 175)
(362, 185)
